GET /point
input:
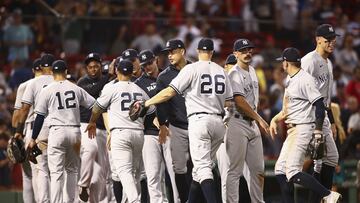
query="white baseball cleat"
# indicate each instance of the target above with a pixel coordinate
(333, 197)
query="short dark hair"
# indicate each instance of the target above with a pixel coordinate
(297, 64)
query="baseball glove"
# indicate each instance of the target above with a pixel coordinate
(137, 109)
(33, 153)
(316, 148)
(16, 150)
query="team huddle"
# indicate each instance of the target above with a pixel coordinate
(136, 133)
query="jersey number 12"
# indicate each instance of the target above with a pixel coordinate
(69, 100)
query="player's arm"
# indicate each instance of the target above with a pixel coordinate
(243, 106)
(23, 112)
(273, 123)
(38, 123)
(96, 112)
(161, 97)
(319, 114)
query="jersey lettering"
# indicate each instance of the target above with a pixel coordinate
(127, 98)
(207, 84)
(69, 100)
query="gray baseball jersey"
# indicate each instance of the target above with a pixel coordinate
(205, 86)
(116, 99)
(61, 101)
(34, 87)
(322, 70)
(245, 83)
(300, 94)
(18, 104)
(32, 91)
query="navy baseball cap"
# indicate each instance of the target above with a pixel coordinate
(243, 44)
(206, 44)
(326, 30)
(290, 54)
(174, 44)
(47, 60)
(146, 56)
(59, 66)
(231, 59)
(125, 66)
(92, 57)
(36, 64)
(129, 54)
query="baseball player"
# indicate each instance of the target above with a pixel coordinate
(318, 64)
(206, 88)
(304, 113)
(221, 157)
(132, 55)
(172, 118)
(93, 151)
(243, 138)
(29, 171)
(156, 155)
(60, 102)
(30, 98)
(126, 136)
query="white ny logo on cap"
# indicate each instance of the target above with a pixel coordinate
(91, 55)
(331, 29)
(245, 42)
(127, 53)
(167, 44)
(143, 57)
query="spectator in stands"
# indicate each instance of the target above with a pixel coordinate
(270, 52)
(18, 37)
(353, 87)
(74, 29)
(354, 28)
(277, 88)
(149, 40)
(352, 107)
(347, 58)
(354, 122)
(188, 28)
(5, 181)
(286, 19)
(119, 45)
(20, 73)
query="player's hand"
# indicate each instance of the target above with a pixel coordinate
(163, 133)
(18, 136)
(273, 129)
(264, 126)
(112, 67)
(334, 130)
(32, 143)
(91, 129)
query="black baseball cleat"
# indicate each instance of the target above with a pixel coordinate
(83, 194)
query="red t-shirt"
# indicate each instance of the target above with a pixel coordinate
(353, 89)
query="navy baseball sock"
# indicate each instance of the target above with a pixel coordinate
(313, 197)
(287, 189)
(195, 192)
(311, 183)
(144, 191)
(209, 190)
(118, 190)
(182, 186)
(326, 176)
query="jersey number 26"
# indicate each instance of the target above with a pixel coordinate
(209, 83)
